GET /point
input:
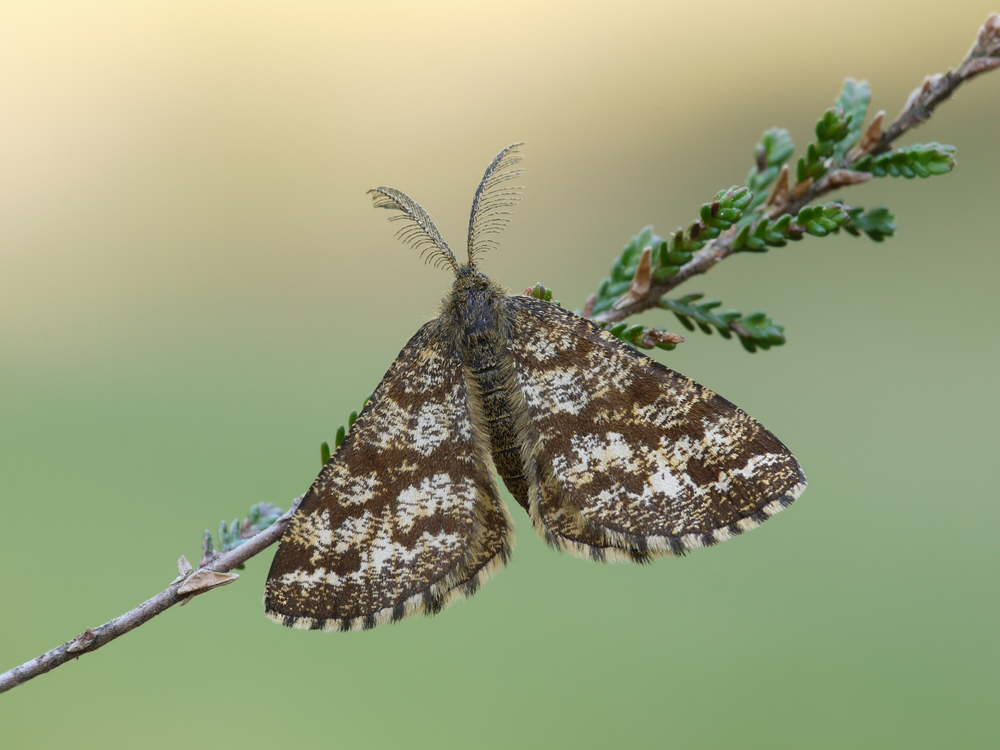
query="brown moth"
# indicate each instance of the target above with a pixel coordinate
(612, 455)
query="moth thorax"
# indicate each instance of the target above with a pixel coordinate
(497, 406)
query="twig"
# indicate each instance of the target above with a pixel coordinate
(92, 639)
(713, 252)
(983, 56)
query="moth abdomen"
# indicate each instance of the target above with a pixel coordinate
(493, 391)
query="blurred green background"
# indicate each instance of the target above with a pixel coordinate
(195, 291)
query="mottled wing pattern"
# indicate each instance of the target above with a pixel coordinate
(405, 516)
(633, 459)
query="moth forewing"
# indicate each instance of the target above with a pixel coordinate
(613, 455)
(405, 516)
(633, 456)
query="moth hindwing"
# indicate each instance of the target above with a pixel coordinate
(612, 455)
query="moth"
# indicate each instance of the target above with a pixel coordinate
(612, 455)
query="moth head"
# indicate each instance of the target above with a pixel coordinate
(489, 214)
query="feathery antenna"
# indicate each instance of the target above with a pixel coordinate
(418, 229)
(493, 195)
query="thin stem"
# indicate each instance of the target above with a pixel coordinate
(713, 252)
(92, 639)
(983, 56)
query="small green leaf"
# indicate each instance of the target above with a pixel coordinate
(774, 149)
(741, 237)
(661, 251)
(616, 290)
(939, 167)
(854, 99)
(742, 198)
(878, 223)
(779, 146)
(678, 258)
(665, 272)
(632, 331)
(617, 270)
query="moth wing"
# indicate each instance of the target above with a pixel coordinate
(405, 516)
(632, 458)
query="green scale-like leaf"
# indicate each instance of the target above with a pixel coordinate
(918, 160)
